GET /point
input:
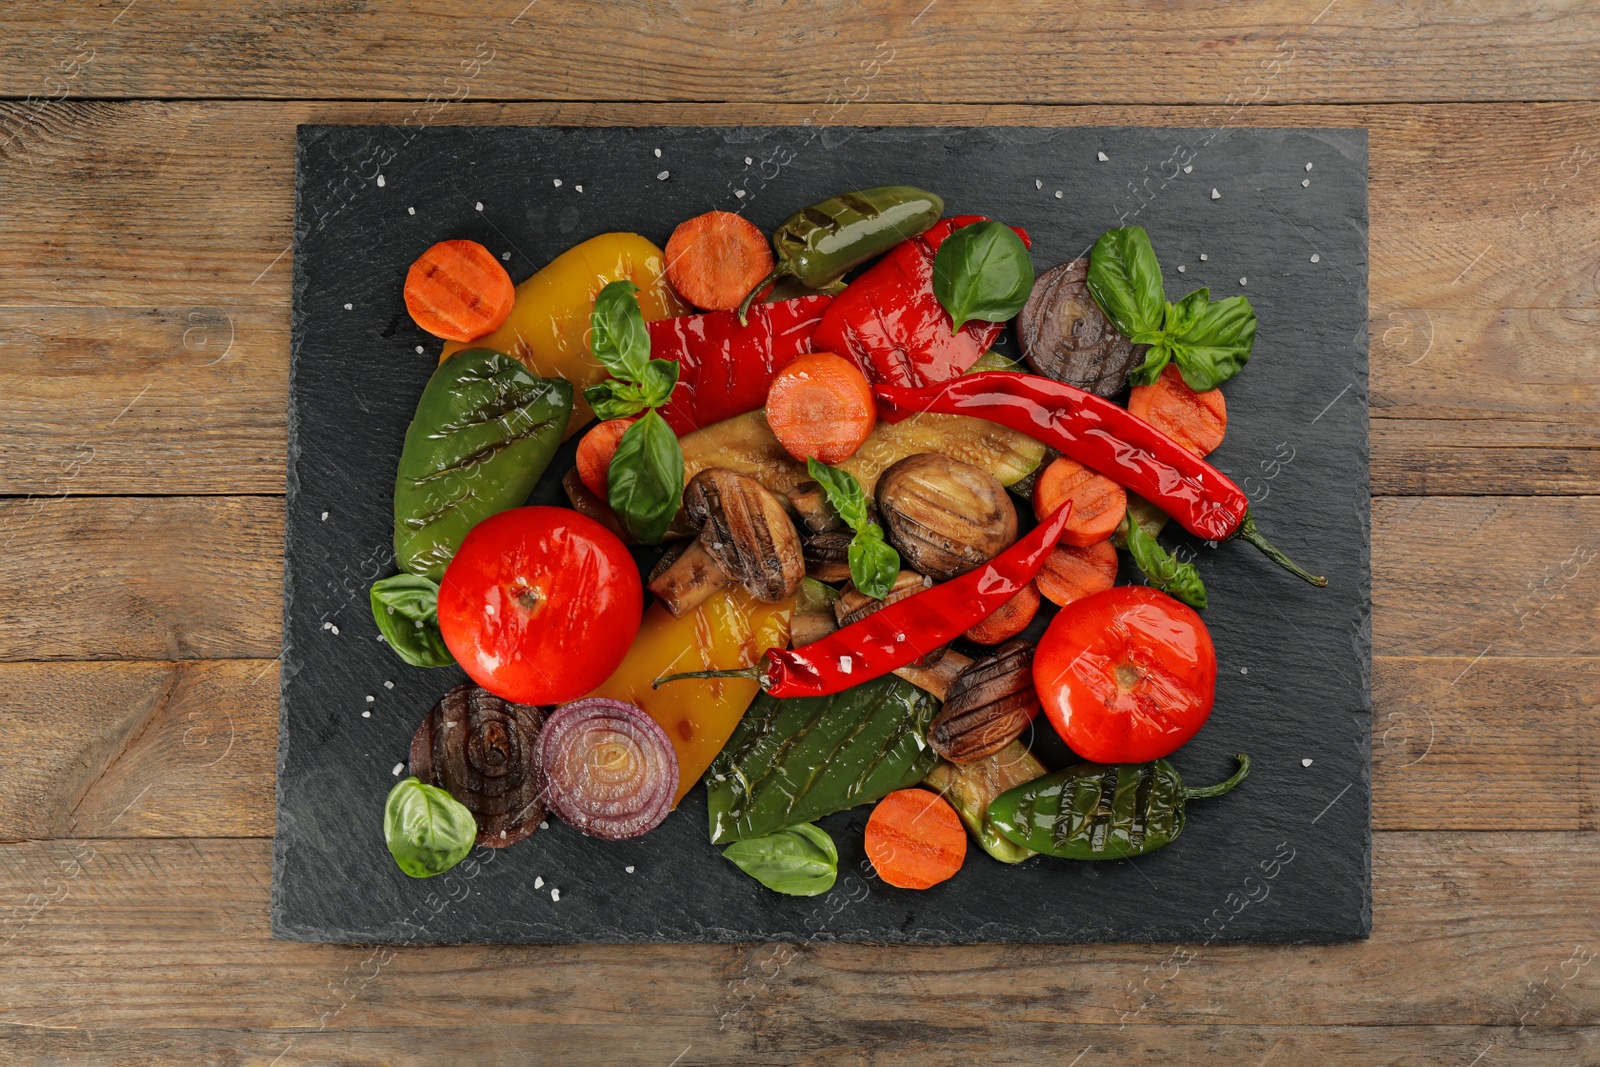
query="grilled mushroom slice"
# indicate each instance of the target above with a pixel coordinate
(828, 556)
(811, 504)
(1065, 336)
(946, 517)
(988, 706)
(483, 751)
(745, 537)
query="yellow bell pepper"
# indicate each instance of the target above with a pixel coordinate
(731, 629)
(549, 325)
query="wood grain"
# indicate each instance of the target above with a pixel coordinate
(905, 50)
(518, 1044)
(188, 749)
(1470, 929)
(190, 204)
(200, 577)
(194, 400)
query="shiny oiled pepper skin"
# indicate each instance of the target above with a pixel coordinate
(892, 325)
(731, 629)
(1098, 811)
(549, 324)
(820, 244)
(724, 368)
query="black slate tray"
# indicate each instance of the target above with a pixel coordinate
(1277, 214)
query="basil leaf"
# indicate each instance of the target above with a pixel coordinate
(1184, 313)
(800, 861)
(613, 399)
(1155, 361)
(844, 492)
(660, 378)
(874, 564)
(1178, 580)
(428, 830)
(1125, 280)
(1216, 344)
(618, 338)
(646, 480)
(982, 271)
(406, 609)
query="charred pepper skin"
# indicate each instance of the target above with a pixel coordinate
(1099, 811)
(1105, 438)
(819, 244)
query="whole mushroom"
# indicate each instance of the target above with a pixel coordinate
(745, 537)
(945, 517)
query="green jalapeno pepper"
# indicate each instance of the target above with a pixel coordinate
(1098, 811)
(484, 432)
(818, 245)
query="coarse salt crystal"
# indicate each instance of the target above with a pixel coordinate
(420, 350)
(1102, 157)
(411, 211)
(578, 187)
(1189, 169)
(381, 182)
(334, 628)
(1244, 670)
(748, 161)
(371, 699)
(1214, 194)
(1316, 258)
(739, 193)
(629, 868)
(349, 307)
(1305, 183)
(1058, 194)
(658, 153)
(478, 206)
(1308, 166)
(845, 664)
(1241, 281)
(662, 176)
(506, 256)
(545, 825)
(1305, 763)
(1181, 269)
(398, 767)
(1203, 257)
(388, 685)
(538, 883)
(556, 182)
(366, 714)
(555, 894)
(324, 516)
(1037, 184)
(327, 626)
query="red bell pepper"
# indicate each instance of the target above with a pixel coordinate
(889, 322)
(724, 368)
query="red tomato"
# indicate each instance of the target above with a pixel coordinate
(1126, 675)
(540, 604)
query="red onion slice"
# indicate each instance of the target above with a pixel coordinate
(611, 771)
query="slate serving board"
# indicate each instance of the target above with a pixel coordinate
(1280, 215)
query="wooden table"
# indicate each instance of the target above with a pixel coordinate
(146, 196)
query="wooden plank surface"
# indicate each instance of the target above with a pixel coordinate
(174, 934)
(903, 51)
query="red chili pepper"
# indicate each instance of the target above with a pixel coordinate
(724, 368)
(889, 322)
(1105, 438)
(903, 632)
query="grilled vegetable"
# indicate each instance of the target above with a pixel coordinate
(822, 243)
(914, 839)
(853, 605)
(611, 769)
(946, 517)
(1096, 811)
(988, 706)
(793, 761)
(971, 787)
(484, 432)
(484, 752)
(745, 534)
(1065, 336)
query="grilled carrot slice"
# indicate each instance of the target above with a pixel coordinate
(915, 839)
(821, 405)
(457, 291)
(595, 452)
(714, 259)
(1071, 573)
(1098, 503)
(1012, 618)
(1197, 421)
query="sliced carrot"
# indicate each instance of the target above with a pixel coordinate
(1009, 620)
(595, 452)
(457, 290)
(714, 259)
(915, 839)
(1071, 573)
(1197, 421)
(1098, 503)
(821, 405)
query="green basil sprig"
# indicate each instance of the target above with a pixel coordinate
(1210, 342)
(874, 564)
(800, 861)
(428, 830)
(406, 609)
(982, 271)
(645, 486)
(621, 343)
(1178, 580)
